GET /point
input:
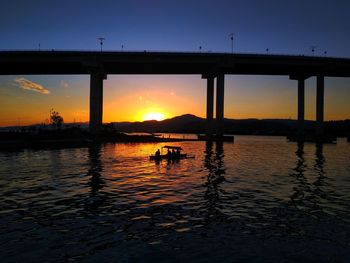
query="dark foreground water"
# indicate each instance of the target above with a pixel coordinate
(260, 199)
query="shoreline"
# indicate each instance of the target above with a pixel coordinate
(54, 143)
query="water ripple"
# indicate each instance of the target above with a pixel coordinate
(244, 201)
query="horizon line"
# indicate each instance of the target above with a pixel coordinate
(87, 122)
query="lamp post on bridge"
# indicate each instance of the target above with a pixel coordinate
(101, 41)
(231, 37)
(313, 48)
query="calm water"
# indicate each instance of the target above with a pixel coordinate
(260, 199)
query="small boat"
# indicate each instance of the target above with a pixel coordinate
(171, 156)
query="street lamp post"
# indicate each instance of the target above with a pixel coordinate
(313, 50)
(101, 41)
(231, 37)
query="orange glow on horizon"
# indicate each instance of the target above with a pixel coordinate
(153, 116)
(139, 98)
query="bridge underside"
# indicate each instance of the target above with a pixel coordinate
(74, 62)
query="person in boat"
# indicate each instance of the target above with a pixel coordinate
(157, 154)
(168, 154)
(178, 153)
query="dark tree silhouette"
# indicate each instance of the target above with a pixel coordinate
(56, 119)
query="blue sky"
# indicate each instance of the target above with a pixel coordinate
(282, 26)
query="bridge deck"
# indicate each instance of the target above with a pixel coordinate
(84, 62)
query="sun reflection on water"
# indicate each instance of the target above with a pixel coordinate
(116, 198)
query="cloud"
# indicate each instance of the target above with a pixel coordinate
(29, 85)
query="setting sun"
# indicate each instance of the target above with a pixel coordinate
(153, 116)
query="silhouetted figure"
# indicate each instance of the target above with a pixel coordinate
(173, 154)
(157, 154)
(168, 154)
(177, 154)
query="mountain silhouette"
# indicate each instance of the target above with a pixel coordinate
(186, 123)
(189, 123)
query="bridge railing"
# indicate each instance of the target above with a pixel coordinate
(203, 52)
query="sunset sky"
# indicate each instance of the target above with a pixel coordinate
(284, 27)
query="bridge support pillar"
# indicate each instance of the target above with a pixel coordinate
(220, 89)
(301, 106)
(96, 101)
(319, 105)
(210, 105)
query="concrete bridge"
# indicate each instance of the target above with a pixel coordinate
(209, 66)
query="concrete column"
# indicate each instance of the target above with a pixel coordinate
(220, 87)
(96, 101)
(319, 105)
(210, 105)
(301, 105)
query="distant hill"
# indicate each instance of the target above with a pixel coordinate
(189, 123)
